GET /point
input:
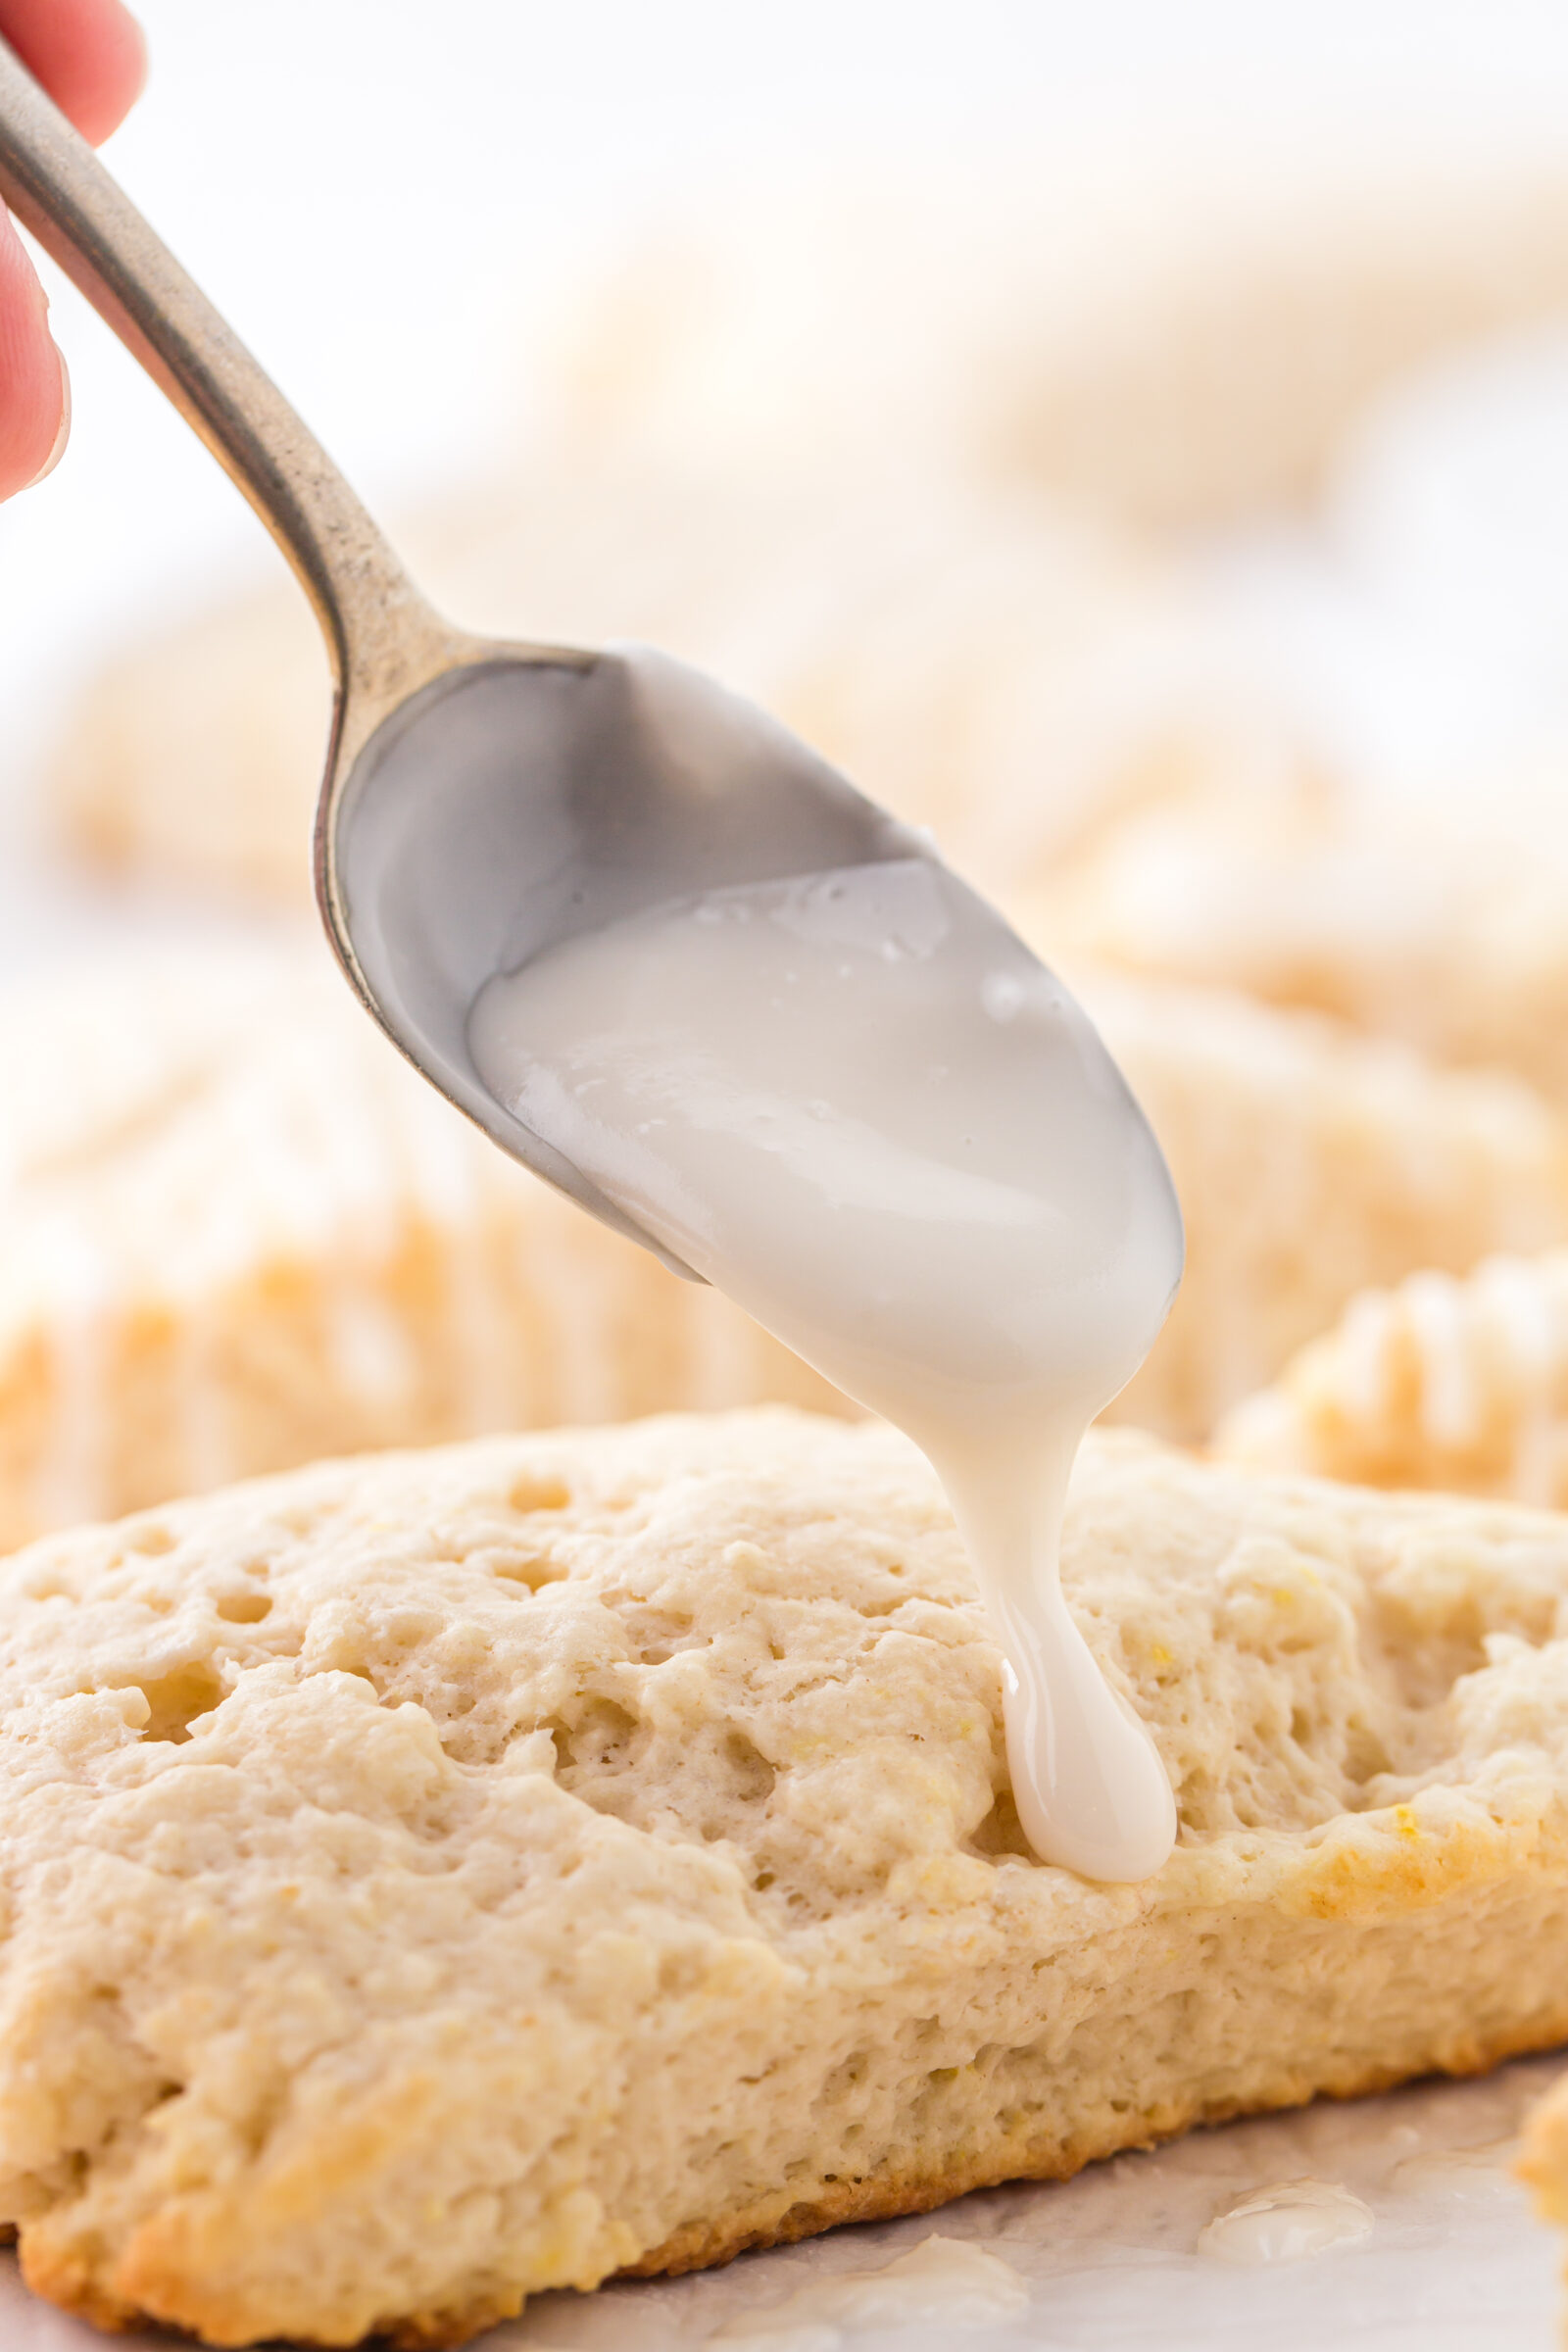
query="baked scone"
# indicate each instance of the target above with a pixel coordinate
(975, 663)
(1173, 335)
(1412, 927)
(1459, 1382)
(441, 1877)
(1544, 2158)
(1310, 1162)
(239, 1232)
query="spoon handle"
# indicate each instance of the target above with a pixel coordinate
(376, 625)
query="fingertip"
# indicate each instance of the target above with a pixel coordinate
(121, 70)
(90, 55)
(62, 429)
(101, 78)
(36, 405)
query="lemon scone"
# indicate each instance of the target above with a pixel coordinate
(976, 663)
(1310, 1162)
(239, 1232)
(1417, 927)
(1172, 331)
(440, 1876)
(1455, 1382)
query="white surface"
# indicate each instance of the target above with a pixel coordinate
(1109, 2262)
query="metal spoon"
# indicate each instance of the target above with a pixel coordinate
(482, 799)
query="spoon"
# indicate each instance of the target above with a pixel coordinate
(487, 805)
(483, 799)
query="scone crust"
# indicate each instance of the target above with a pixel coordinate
(893, 2192)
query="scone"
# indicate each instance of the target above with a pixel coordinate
(1459, 1382)
(437, 1878)
(239, 1232)
(1175, 334)
(1544, 2160)
(1310, 1162)
(976, 663)
(1412, 927)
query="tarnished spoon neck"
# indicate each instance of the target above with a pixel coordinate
(379, 633)
(383, 641)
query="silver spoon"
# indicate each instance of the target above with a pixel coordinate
(482, 799)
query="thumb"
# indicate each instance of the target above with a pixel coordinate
(34, 390)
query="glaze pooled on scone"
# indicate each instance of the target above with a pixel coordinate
(858, 1105)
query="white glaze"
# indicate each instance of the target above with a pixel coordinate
(859, 1105)
(1481, 2175)
(944, 2281)
(1286, 2223)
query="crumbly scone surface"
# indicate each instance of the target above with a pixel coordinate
(438, 1877)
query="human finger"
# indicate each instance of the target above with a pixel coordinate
(88, 54)
(34, 396)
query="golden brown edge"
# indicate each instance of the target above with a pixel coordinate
(884, 2195)
(887, 2196)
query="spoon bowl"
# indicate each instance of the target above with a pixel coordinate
(526, 795)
